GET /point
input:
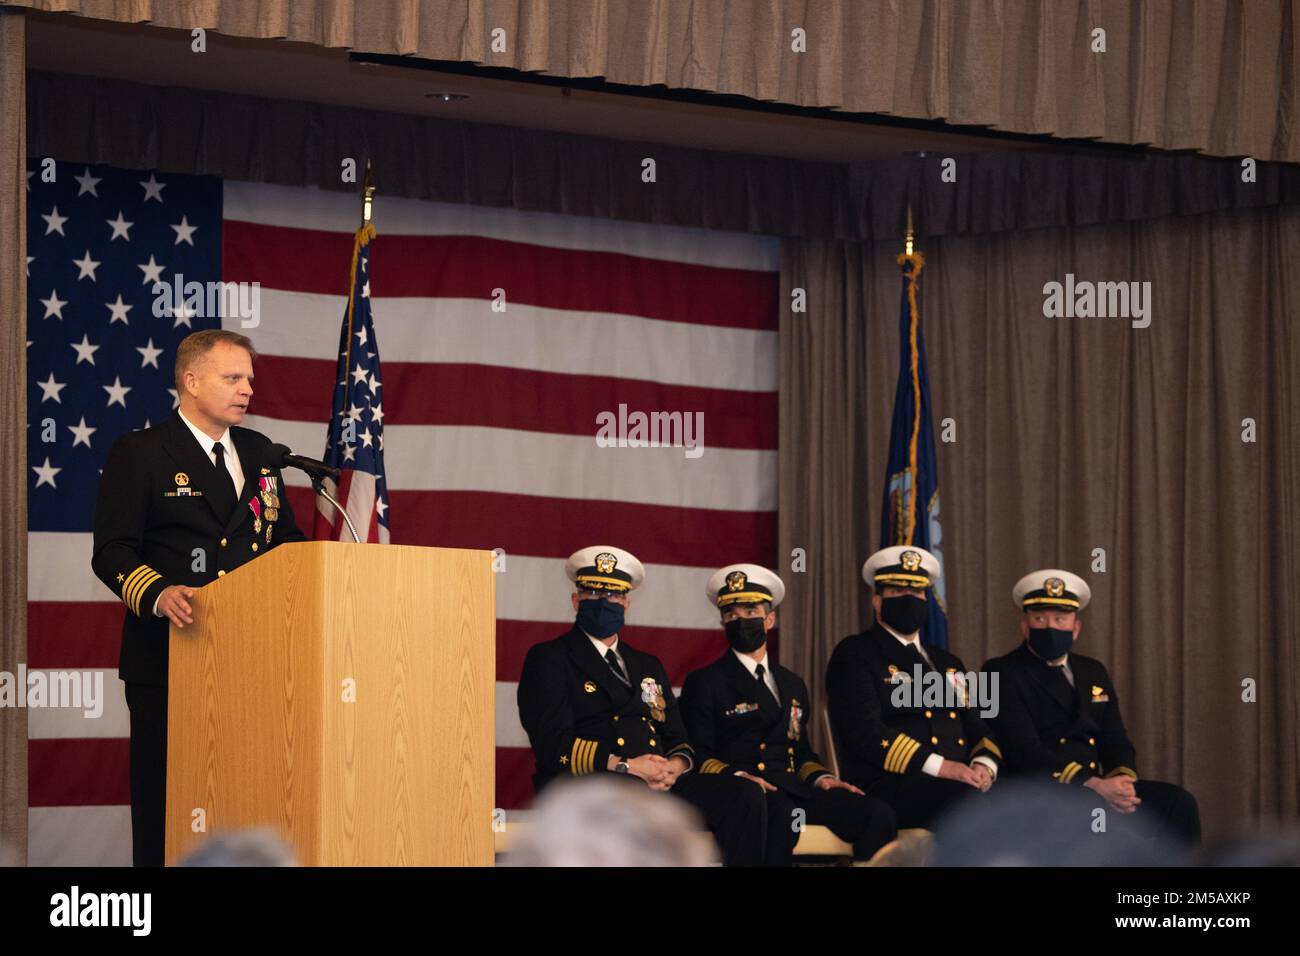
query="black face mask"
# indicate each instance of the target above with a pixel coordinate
(1049, 643)
(600, 618)
(904, 613)
(745, 634)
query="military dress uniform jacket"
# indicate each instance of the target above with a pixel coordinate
(878, 739)
(156, 521)
(734, 724)
(577, 712)
(1047, 727)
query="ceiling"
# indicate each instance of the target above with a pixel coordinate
(295, 71)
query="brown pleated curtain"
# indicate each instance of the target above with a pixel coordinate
(13, 436)
(1218, 76)
(1074, 435)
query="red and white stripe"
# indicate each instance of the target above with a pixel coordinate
(490, 423)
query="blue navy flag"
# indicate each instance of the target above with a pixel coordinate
(911, 509)
(354, 441)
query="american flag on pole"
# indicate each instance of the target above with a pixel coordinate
(506, 334)
(355, 435)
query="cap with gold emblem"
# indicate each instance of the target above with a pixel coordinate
(1051, 588)
(902, 566)
(744, 584)
(604, 568)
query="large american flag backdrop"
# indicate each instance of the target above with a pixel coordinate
(490, 415)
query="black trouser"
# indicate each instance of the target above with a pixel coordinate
(866, 822)
(1170, 809)
(733, 810)
(919, 799)
(1167, 812)
(148, 707)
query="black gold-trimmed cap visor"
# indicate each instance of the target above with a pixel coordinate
(590, 579)
(1041, 600)
(900, 577)
(754, 594)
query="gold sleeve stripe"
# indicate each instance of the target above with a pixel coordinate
(136, 583)
(809, 768)
(582, 757)
(141, 586)
(906, 758)
(712, 765)
(130, 581)
(1126, 771)
(900, 752)
(990, 746)
(893, 750)
(1071, 769)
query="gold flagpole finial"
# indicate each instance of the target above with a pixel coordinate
(909, 235)
(368, 193)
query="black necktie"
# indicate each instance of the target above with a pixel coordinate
(916, 655)
(612, 660)
(225, 482)
(758, 675)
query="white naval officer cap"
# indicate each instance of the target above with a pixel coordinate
(902, 566)
(744, 584)
(1051, 588)
(602, 567)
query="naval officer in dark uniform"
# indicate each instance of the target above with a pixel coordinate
(918, 757)
(593, 704)
(748, 716)
(179, 505)
(1059, 717)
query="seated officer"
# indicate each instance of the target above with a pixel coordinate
(1059, 713)
(919, 759)
(748, 716)
(592, 704)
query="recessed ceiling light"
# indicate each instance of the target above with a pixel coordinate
(447, 97)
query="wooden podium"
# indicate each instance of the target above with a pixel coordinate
(345, 696)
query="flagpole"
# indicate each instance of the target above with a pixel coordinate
(365, 233)
(909, 235)
(367, 194)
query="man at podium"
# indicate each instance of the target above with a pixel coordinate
(180, 505)
(591, 704)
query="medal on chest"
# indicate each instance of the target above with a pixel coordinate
(652, 696)
(796, 719)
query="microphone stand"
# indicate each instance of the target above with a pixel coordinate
(318, 483)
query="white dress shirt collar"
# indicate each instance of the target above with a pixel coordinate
(750, 663)
(602, 647)
(913, 641)
(206, 442)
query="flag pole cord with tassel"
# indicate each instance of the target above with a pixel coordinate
(917, 262)
(362, 239)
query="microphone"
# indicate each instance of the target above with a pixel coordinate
(279, 456)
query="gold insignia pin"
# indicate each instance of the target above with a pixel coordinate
(736, 581)
(893, 668)
(121, 578)
(1055, 587)
(606, 562)
(266, 471)
(182, 479)
(1097, 691)
(589, 687)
